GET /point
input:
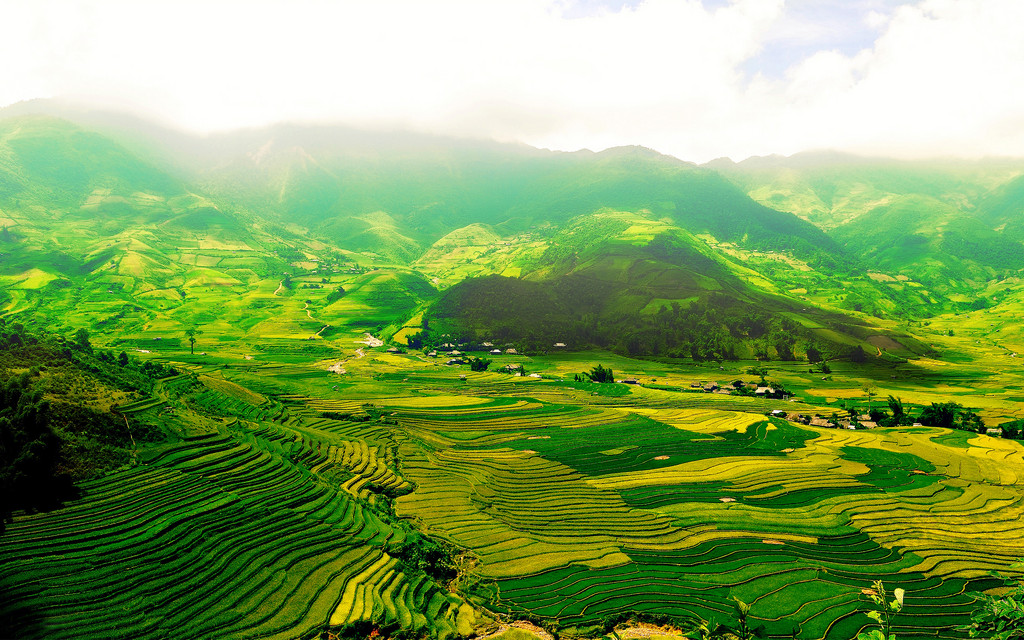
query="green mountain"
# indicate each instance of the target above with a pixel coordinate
(953, 227)
(224, 341)
(642, 286)
(318, 231)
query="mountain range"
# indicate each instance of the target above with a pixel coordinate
(124, 227)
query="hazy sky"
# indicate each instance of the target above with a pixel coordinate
(696, 79)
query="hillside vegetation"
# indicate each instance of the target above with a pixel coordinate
(314, 382)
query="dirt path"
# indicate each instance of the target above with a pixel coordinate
(280, 285)
(646, 631)
(339, 367)
(519, 624)
(370, 341)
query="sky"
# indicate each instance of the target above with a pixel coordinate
(697, 79)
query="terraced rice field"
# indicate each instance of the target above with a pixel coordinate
(570, 507)
(580, 513)
(260, 531)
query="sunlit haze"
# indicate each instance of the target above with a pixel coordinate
(697, 80)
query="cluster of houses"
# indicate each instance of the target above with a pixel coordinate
(741, 387)
(862, 421)
(451, 350)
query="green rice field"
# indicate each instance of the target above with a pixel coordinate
(286, 504)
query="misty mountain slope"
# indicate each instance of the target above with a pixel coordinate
(953, 226)
(154, 235)
(54, 163)
(326, 181)
(831, 189)
(1003, 209)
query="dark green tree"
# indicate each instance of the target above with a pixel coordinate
(999, 617)
(191, 333)
(1012, 430)
(600, 374)
(81, 340)
(29, 450)
(940, 414)
(899, 414)
(813, 354)
(479, 364)
(969, 420)
(952, 415)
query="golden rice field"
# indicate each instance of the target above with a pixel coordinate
(292, 513)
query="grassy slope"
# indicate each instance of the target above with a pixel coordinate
(950, 226)
(468, 441)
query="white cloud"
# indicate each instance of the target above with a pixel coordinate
(943, 77)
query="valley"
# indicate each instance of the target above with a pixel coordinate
(357, 386)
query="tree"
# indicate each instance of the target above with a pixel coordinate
(1012, 430)
(1000, 617)
(870, 391)
(334, 296)
(952, 415)
(479, 364)
(813, 354)
(758, 371)
(969, 420)
(192, 332)
(899, 415)
(29, 450)
(600, 374)
(940, 414)
(122, 359)
(81, 341)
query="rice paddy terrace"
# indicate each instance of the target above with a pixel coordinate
(290, 500)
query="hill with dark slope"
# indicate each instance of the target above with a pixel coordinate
(654, 291)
